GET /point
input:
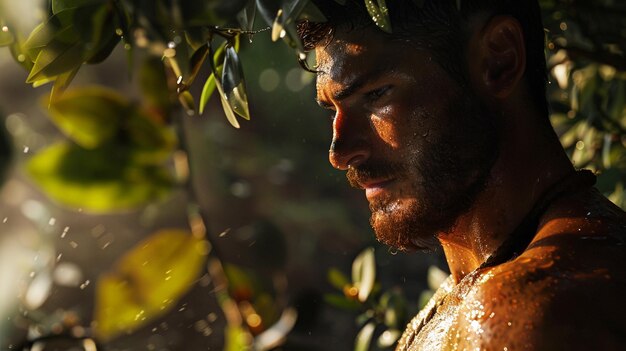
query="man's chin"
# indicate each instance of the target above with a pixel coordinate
(403, 234)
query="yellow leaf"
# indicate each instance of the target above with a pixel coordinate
(148, 281)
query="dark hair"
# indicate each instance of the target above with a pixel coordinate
(441, 27)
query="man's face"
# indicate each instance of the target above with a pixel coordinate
(418, 144)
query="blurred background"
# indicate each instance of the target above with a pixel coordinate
(102, 236)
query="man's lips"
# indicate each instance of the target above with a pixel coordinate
(375, 187)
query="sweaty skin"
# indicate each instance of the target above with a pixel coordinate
(404, 130)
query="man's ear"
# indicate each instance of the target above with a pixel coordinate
(498, 56)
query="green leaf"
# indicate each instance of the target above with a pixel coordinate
(89, 116)
(61, 82)
(236, 339)
(364, 337)
(379, 13)
(364, 273)
(99, 180)
(207, 91)
(147, 281)
(337, 278)
(287, 14)
(56, 59)
(234, 84)
(195, 63)
(217, 70)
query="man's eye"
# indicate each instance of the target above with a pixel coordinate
(378, 93)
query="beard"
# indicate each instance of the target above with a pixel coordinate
(442, 176)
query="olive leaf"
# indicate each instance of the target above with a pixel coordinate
(195, 63)
(234, 84)
(379, 13)
(210, 84)
(147, 281)
(337, 279)
(68, 39)
(61, 82)
(364, 273)
(364, 337)
(89, 116)
(288, 13)
(216, 71)
(100, 180)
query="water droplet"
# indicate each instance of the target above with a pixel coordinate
(73, 244)
(5, 219)
(21, 57)
(509, 324)
(26, 148)
(392, 251)
(64, 233)
(171, 45)
(52, 221)
(84, 285)
(119, 31)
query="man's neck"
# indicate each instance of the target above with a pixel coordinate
(522, 173)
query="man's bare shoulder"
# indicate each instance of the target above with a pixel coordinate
(565, 291)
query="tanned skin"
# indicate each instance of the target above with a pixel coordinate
(567, 289)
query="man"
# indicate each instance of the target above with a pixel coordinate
(444, 124)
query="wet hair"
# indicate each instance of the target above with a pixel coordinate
(441, 27)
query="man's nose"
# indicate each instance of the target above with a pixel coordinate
(351, 144)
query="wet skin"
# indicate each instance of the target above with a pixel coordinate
(394, 107)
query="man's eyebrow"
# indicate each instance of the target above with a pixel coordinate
(357, 83)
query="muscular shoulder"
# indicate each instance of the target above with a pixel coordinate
(549, 299)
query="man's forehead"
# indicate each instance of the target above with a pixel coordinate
(347, 57)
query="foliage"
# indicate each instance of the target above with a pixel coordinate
(118, 152)
(147, 281)
(586, 60)
(385, 311)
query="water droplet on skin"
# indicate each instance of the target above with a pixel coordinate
(5, 219)
(26, 148)
(73, 244)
